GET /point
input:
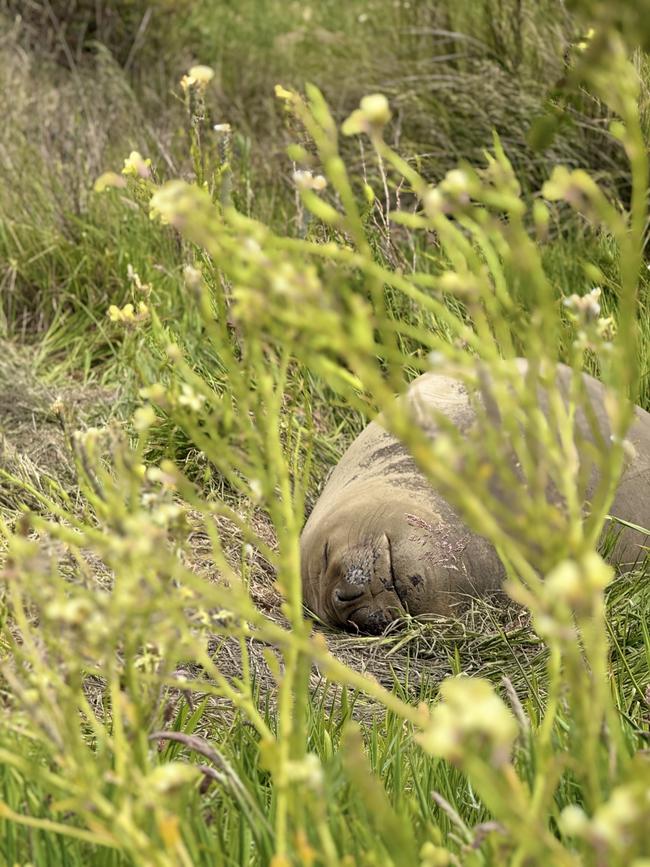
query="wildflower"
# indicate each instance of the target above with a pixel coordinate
(586, 307)
(202, 74)
(433, 202)
(283, 93)
(109, 180)
(573, 821)
(189, 398)
(256, 490)
(136, 166)
(456, 182)
(375, 109)
(198, 76)
(556, 186)
(371, 116)
(193, 277)
(143, 418)
(565, 583)
(188, 208)
(576, 584)
(134, 278)
(155, 392)
(584, 43)
(171, 202)
(576, 188)
(127, 315)
(434, 856)
(470, 715)
(309, 771)
(170, 778)
(305, 180)
(223, 128)
(166, 514)
(166, 475)
(289, 282)
(436, 359)
(594, 330)
(541, 218)
(614, 820)
(90, 437)
(71, 612)
(57, 407)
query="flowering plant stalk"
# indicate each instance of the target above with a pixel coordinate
(125, 618)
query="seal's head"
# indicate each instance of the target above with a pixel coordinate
(357, 585)
(362, 569)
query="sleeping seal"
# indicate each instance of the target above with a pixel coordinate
(381, 542)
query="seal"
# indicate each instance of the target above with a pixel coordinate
(381, 542)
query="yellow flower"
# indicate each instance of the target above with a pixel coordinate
(127, 314)
(137, 166)
(143, 418)
(109, 180)
(375, 109)
(373, 114)
(171, 778)
(584, 43)
(202, 74)
(172, 203)
(199, 76)
(283, 93)
(573, 821)
(155, 392)
(306, 180)
(470, 715)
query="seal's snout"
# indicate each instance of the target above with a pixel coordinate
(363, 595)
(350, 588)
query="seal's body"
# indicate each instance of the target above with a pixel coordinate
(381, 541)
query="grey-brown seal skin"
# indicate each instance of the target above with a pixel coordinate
(380, 542)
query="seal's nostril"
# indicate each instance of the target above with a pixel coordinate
(348, 593)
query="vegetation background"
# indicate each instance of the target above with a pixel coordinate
(151, 718)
